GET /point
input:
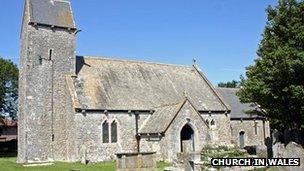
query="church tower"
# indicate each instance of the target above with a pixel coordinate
(47, 55)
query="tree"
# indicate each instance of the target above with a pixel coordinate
(229, 84)
(276, 79)
(8, 88)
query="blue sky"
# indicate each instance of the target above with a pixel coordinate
(223, 35)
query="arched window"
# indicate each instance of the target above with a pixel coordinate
(242, 139)
(212, 122)
(114, 132)
(105, 132)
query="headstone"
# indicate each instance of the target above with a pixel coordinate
(261, 151)
(292, 150)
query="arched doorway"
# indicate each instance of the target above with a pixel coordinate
(187, 138)
(242, 139)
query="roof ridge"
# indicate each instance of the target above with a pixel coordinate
(228, 88)
(131, 60)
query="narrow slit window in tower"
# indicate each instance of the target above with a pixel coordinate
(50, 54)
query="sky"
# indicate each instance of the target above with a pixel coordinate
(222, 35)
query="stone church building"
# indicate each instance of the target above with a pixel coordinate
(74, 107)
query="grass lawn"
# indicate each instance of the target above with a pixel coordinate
(9, 164)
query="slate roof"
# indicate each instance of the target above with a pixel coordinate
(160, 121)
(161, 118)
(52, 13)
(238, 109)
(112, 84)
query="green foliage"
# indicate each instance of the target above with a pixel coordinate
(276, 80)
(229, 84)
(162, 165)
(8, 88)
(222, 152)
(209, 152)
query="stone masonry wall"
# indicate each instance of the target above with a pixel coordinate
(47, 56)
(152, 144)
(219, 133)
(71, 129)
(170, 144)
(167, 146)
(88, 140)
(22, 87)
(248, 126)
